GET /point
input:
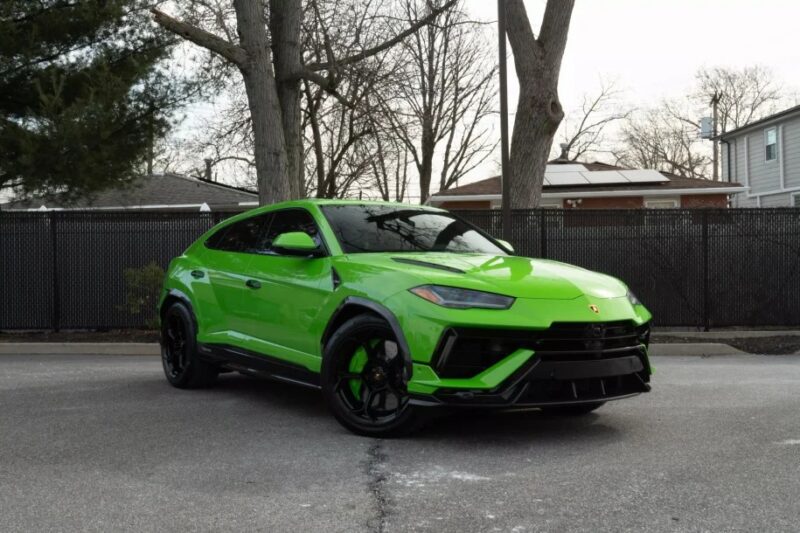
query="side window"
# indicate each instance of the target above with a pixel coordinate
(285, 222)
(771, 144)
(242, 236)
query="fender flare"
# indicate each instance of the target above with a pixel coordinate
(175, 294)
(357, 301)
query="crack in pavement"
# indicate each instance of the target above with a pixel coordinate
(376, 484)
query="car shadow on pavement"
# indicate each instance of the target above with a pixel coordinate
(521, 427)
(476, 426)
(272, 393)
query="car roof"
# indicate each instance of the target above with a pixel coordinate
(328, 201)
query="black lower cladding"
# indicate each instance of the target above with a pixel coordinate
(573, 363)
(257, 364)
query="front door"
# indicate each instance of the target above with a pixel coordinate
(292, 290)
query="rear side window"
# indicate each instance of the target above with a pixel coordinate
(242, 236)
(288, 221)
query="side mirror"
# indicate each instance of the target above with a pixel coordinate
(506, 245)
(296, 243)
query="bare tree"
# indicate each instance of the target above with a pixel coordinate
(539, 111)
(340, 131)
(659, 139)
(441, 94)
(584, 130)
(746, 95)
(268, 54)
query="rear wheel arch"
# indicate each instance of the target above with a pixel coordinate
(175, 296)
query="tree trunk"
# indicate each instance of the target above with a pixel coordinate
(274, 184)
(285, 21)
(425, 166)
(539, 111)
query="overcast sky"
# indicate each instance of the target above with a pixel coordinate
(654, 47)
(651, 49)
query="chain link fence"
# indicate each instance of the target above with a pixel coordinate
(700, 268)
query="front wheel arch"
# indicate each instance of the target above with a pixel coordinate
(353, 306)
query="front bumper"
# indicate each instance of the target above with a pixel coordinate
(567, 363)
(541, 383)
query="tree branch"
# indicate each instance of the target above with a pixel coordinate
(386, 44)
(326, 85)
(233, 53)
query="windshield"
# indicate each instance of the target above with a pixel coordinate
(380, 228)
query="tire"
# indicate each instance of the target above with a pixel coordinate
(577, 409)
(364, 377)
(182, 367)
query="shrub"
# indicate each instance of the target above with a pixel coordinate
(142, 289)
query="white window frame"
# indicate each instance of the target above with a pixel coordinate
(766, 143)
(796, 199)
(662, 203)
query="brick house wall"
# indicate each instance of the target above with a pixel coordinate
(692, 201)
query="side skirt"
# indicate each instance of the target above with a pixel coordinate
(258, 365)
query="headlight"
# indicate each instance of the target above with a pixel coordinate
(462, 298)
(633, 299)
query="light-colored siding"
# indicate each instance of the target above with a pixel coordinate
(741, 200)
(739, 161)
(777, 200)
(764, 175)
(772, 181)
(791, 143)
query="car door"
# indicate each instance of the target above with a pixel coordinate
(226, 260)
(292, 289)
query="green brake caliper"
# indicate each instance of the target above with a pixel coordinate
(357, 364)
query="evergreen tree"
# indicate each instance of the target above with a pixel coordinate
(83, 93)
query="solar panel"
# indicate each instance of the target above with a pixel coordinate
(566, 178)
(604, 177)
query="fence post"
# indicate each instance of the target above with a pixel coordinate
(705, 284)
(543, 235)
(56, 318)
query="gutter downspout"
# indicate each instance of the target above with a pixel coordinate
(727, 157)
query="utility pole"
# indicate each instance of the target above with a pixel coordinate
(715, 105)
(504, 159)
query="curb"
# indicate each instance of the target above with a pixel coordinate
(700, 349)
(80, 348)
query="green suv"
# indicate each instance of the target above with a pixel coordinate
(392, 310)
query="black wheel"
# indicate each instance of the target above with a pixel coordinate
(364, 377)
(179, 351)
(577, 409)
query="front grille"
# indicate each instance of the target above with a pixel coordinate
(466, 352)
(576, 341)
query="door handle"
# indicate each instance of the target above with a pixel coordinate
(253, 284)
(197, 274)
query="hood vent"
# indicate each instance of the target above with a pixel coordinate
(427, 264)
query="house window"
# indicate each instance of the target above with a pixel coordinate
(771, 144)
(662, 203)
(796, 200)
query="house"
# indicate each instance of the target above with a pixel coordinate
(765, 157)
(167, 192)
(599, 186)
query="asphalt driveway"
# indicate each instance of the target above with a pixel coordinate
(102, 443)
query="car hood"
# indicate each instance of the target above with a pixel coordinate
(520, 277)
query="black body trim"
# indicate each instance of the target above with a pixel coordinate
(417, 262)
(258, 364)
(529, 386)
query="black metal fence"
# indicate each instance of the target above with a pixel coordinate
(699, 268)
